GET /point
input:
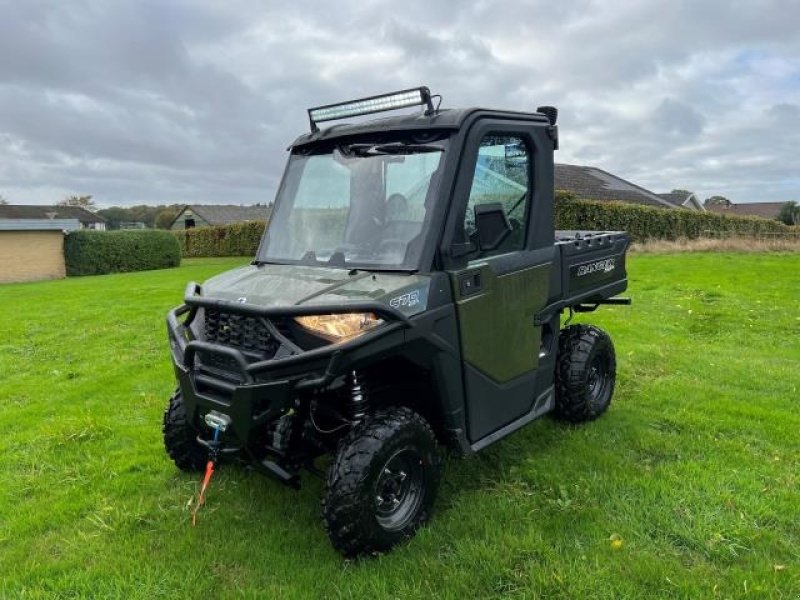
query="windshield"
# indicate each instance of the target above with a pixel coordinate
(361, 205)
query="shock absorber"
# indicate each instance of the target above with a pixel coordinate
(358, 402)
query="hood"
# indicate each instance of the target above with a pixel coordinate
(293, 285)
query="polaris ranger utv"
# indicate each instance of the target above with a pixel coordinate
(406, 297)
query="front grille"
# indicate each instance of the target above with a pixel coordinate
(248, 334)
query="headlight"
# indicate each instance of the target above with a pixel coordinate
(340, 328)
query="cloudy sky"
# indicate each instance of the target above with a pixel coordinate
(169, 101)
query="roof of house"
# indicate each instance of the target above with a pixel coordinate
(591, 183)
(39, 224)
(38, 211)
(225, 214)
(765, 210)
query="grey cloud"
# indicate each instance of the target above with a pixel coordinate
(172, 100)
(678, 118)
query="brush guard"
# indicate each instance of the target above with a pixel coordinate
(255, 392)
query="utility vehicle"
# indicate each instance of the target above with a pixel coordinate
(406, 298)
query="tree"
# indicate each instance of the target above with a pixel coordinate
(684, 193)
(3, 200)
(84, 201)
(133, 214)
(165, 217)
(789, 213)
(717, 201)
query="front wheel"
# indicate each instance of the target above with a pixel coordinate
(180, 441)
(586, 372)
(382, 482)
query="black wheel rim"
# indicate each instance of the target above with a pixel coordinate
(597, 381)
(399, 490)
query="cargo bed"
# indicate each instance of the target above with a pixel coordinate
(588, 267)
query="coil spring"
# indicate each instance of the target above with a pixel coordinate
(358, 402)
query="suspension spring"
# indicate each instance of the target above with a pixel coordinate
(358, 402)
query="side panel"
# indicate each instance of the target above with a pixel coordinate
(500, 343)
(497, 333)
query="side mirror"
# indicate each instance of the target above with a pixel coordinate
(492, 225)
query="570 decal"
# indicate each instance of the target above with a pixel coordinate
(406, 300)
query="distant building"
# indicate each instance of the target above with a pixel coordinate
(32, 249)
(686, 200)
(86, 218)
(591, 183)
(206, 215)
(765, 210)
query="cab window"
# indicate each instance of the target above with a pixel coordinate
(502, 175)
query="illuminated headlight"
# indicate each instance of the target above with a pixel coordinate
(340, 328)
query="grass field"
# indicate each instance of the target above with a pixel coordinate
(693, 472)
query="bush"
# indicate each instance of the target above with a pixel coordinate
(238, 239)
(645, 223)
(642, 222)
(99, 252)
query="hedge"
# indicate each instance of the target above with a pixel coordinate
(238, 239)
(99, 252)
(644, 222)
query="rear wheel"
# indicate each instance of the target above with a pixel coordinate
(382, 482)
(180, 440)
(586, 372)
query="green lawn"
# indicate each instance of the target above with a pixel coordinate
(695, 466)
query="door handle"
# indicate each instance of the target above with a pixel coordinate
(470, 283)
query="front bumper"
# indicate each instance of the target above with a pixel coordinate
(248, 406)
(256, 392)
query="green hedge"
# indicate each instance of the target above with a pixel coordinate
(98, 252)
(644, 222)
(238, 239)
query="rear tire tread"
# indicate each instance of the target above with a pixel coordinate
(577, 346)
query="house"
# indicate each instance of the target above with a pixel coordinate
(591, 183)
(684, 199)
(765, 210)
(86, 218)
(205, 215)
(32, 249)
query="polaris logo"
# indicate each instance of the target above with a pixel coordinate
(606, 266)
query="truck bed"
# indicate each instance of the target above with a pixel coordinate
(589, 266)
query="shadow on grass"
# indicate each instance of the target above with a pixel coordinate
(495, 467)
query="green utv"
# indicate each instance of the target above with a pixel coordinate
(406, 297)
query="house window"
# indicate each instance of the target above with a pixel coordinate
(188, 223)
(502, 174)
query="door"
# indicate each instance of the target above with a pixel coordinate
(499, 291)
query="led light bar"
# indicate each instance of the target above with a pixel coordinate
(365, 106)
